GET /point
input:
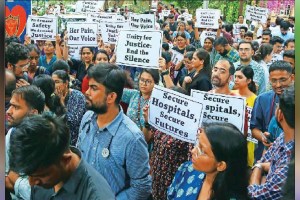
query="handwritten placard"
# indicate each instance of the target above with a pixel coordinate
(139, 48)
(74, 51)
(206, 34)
(82, 33)
(111, 29)
(42, 28)
(208, 18)
(175, 114)
(222, 108)
(256, 14)
(142, 21)
(90, 6)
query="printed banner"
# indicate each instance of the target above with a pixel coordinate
(111, 29)
(258, 14)
(175, 114)
(176, 57)
(222, 108)
(139, 48)
(82, 33)
(42, 28)
(142, 21)
(208, 18)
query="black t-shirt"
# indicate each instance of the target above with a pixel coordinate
(200, 82)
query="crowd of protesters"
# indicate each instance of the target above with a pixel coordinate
(79, 129)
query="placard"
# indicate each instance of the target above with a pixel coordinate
(89, 6)
(42, 28)
(208, 18)
(142, 21)
(185, 16)
(74, 51)
(176, 57)
(111, 29)
(206, 34)
(258, 14)
(82, 33)
(249, 136)
(222, 108)
(165, 13)
(139, 48)
(175, 114)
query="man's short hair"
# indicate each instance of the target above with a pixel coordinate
(287, 105)
(267, 32)
(221, 41)
(245, 42)
(231, 66)
(15, 52)
(285, 25)
(32, 95)
(289, 54)
(38, 142)
(281, 65)
(171, 16)
(109, 75)
(11, 39)
(286, 43)
(244, 28)
(249, 34)
(276, 39)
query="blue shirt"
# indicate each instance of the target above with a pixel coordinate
(187, 183)
(126, 169)
(48, 66)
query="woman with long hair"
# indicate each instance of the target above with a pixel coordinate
(264, 56)
(73, 101)
(245, 87)
(201, 79)
(218, 169)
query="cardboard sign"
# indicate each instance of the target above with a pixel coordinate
(258, 14)
(206, 34)
(111, 29)
(89, 6)
(222, 108)
(165, 13)
(208, 18)
(142, 21)
(42, 28)
(175, 114)
(237, 28)
(176, 57)
(186, 17)
(139, 48)
(97, 18)
(249, 137)
(74, 51)
(82, 33)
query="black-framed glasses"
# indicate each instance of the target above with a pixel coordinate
(281, 80)
(145, 81)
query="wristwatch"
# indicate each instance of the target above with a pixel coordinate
(257, 165)
(166, 72)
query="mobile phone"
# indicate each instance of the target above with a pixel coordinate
(266, 138)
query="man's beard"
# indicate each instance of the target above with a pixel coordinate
(224, 52)
(98, 109)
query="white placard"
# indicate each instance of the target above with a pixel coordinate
(176, 57)
(206, 34)
(90, 6)
(97, 17)
(142, 21)
(139, 48)
(208, 18)
(185, 16)
(237, 28)
(41, 28)
(82, 33)
(165, 13)
(175, 114)
(258, 14)
(249, 137)
(222, 108)
(74, 51)
(111, 29)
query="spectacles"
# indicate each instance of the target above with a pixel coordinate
(281, 80)
(145, 81)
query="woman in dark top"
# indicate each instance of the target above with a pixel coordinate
(181, 42)
(201, 79)
(34, 69)
(81, 66)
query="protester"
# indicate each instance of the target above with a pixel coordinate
(277, 158)
(289, 44)
(25, 101)
(219, 154)
(246, 88)
(289, 56)
(224, 50)
(119, 150)
(39, 148)
(72, 100)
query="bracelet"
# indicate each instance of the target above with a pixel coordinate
(166, 72)
(147, 125)
(257, 165)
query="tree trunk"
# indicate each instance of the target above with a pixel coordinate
(241, 7)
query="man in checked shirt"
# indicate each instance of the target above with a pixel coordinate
(274, 163)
